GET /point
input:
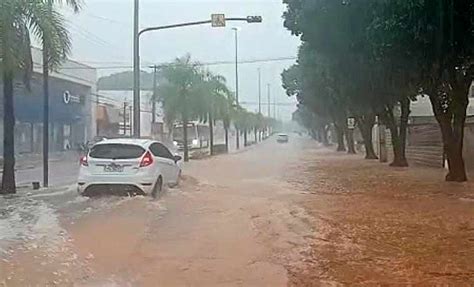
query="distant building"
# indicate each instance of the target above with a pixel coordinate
(71, 88)
(115, 114)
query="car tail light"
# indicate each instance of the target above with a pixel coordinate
(146, 160)
(83, 161)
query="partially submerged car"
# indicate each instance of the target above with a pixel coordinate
(128, 166)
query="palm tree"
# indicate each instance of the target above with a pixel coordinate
(53, 49)
(216, 102)
(19, 19)
(180, 94)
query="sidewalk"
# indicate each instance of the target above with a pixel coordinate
(379, 225)
(30, 161)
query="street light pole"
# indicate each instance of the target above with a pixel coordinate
(236, 81)
(259, 92)
(153, 103)
(216, 21)
(136, 71)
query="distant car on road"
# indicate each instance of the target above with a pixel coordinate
(282, 138)
(128, 166)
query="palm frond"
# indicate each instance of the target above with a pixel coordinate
(48, 25)
(75, 5)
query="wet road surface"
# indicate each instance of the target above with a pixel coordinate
(229, 223)
(273, 215)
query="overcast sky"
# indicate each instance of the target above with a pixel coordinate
(102, 37)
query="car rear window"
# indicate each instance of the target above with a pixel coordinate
(116, 151)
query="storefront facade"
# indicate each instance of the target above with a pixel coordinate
(70, 102)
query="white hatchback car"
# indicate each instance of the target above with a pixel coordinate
(132, 166)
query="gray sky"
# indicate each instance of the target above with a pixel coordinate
(102, 36)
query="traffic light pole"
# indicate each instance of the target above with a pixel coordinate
(136, 55)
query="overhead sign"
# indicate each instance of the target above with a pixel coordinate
(68, 98)
(351, 123)
(218, 20)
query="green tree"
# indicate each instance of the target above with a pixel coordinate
(19, 20)
(181, 94)
(362, 81)
(216, 103)
(435, 35)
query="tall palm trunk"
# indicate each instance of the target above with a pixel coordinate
(226, 138)
(8, 178)
(211, 134)
(226, 134)
(185, 130)
(46, 116)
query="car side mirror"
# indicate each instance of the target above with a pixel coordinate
(177, 158)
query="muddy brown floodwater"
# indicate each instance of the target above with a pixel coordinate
(273, 215)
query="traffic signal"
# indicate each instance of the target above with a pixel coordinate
(254, 19)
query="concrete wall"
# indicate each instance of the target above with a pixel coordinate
(425, 146)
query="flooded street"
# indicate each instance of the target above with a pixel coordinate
(273, 215)
(230, 222)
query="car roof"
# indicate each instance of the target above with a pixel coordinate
(131, 141)
(282, 135)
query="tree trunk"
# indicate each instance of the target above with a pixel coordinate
(185, 138)
(237, 138)
(211, 134)
(399, 158)
(313, 134)
(8, 178)
(405, 113)
(255, 135)
(366, 124)
(350, 141)
(318, 135)
(324, 136)
(226, 138)
(452, 131)
(245, 137)
(340, 138)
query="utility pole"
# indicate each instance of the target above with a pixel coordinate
(130, 118)
(136, 70)
(236, 81)
(259, 91)
(46, 107)
(268, 101)
(124, 118)
(153, 100)
(96, 112)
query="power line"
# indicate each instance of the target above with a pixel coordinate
(117, 102)
(217, 63)
(92, 38)
(263, 103)
(106, 19)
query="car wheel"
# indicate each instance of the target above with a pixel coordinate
(178, 179)
(156, 192)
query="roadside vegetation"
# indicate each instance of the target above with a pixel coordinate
(20, 22)
(368, 59)
(189, 92)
